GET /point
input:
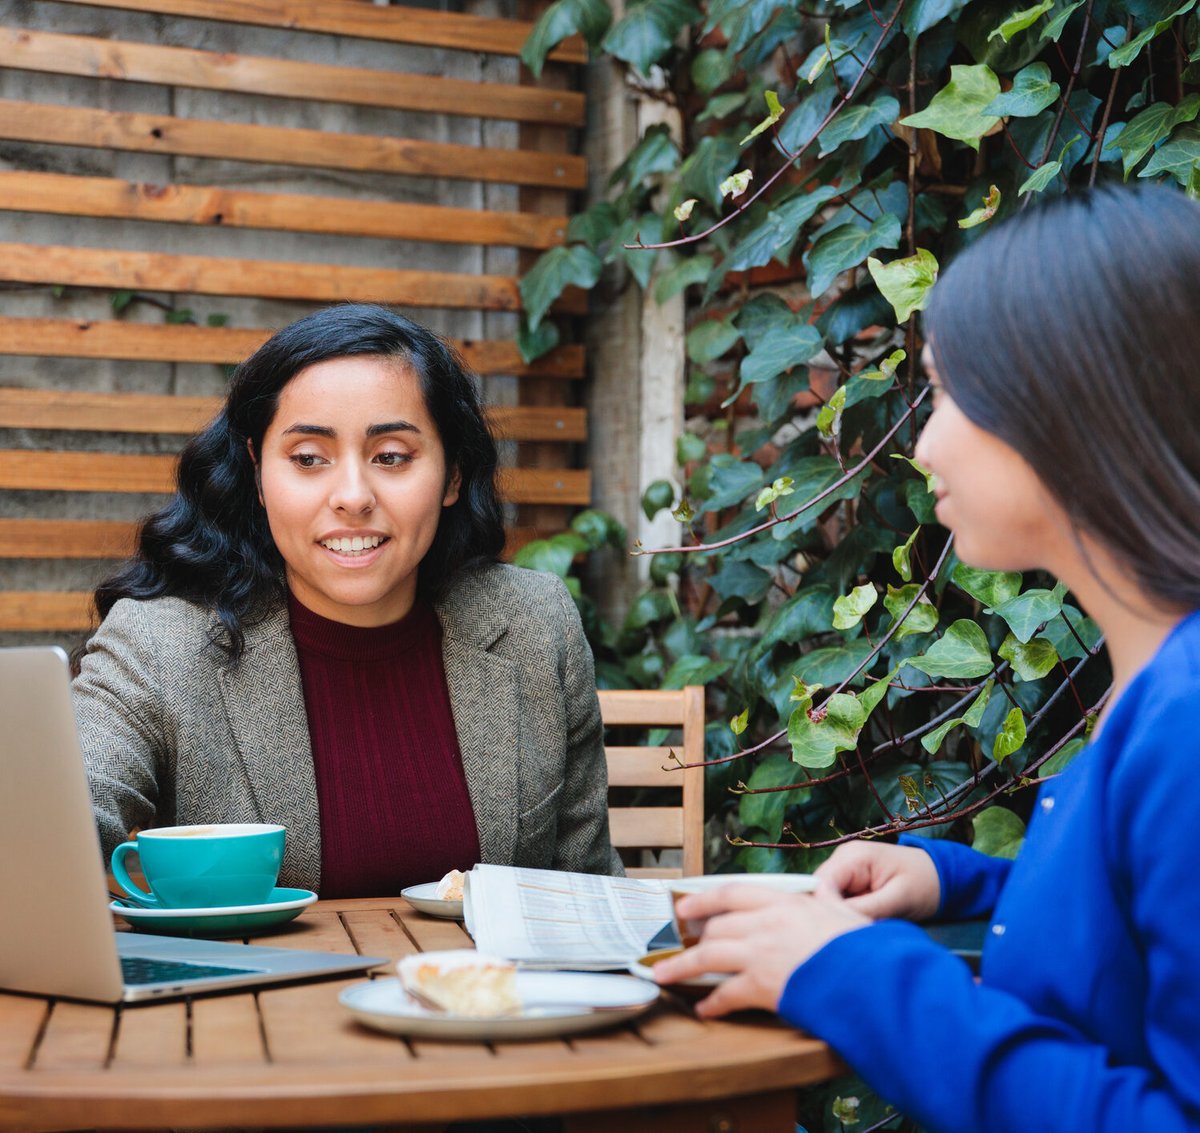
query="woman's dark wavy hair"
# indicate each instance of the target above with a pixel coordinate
(1070, 334)
(211, 544)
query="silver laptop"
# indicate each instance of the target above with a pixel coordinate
(56, 933)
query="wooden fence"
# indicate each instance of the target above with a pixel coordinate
(74, 423)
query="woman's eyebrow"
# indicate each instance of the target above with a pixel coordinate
(391, 427)
(312, 430)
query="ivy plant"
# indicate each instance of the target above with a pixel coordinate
(835, 154)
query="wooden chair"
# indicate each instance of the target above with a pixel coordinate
(658, 827)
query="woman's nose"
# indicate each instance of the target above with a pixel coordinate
(352, 492)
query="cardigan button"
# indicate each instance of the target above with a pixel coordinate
(1047, 803)
(998, 930)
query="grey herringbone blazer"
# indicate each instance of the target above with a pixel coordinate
(172, 735)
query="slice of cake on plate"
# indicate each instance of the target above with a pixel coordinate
(462, 982)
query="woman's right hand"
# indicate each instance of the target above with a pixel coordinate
(883, 880)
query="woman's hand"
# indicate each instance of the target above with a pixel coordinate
(882, 880)
(760, 936)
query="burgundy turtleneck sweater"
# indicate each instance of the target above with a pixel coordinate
(391, 791)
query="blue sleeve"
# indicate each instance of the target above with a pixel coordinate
(956, 1055)
(970, 881)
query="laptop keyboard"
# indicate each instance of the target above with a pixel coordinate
(143, 970)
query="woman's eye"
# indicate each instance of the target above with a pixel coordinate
(393, 459)
(305, 459)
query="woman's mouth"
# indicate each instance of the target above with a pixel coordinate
(353, 545)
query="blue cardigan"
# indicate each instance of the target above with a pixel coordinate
(1086, 1018)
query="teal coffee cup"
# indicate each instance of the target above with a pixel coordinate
(203, 867)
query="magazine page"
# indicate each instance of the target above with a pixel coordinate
(542, 918)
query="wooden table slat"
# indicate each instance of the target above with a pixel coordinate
(152, 1036)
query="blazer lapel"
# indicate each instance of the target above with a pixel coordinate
(485, 702)
(264, 703)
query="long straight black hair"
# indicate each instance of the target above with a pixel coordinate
(211, 544)
(1071, 333)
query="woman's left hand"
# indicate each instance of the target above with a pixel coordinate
(760, 936)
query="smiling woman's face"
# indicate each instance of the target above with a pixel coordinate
(1002, 515)
(354, 480)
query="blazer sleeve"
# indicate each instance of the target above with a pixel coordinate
(119, 711)
(584, 844)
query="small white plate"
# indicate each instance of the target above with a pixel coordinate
(644, 969)
(424, 899)
(560, 1003)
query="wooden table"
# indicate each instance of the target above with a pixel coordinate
(292, 1056)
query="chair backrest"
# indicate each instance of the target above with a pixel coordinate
(655, 827)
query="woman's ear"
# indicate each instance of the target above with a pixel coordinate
(257, 471)
(453, 485)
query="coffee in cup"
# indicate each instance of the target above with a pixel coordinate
(690, 928)
(203, 867)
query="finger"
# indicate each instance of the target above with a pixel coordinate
(735, 994)
(726, 899)
(875, 905)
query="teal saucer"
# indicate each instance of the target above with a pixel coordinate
(229, 920)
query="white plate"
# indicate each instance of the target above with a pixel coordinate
(644, 969)
(560, 1003)
(424, 899)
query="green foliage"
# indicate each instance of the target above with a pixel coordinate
(884, 683)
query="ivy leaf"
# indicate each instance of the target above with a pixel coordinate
(766, 812)
(783, 486)
(958, 109)
(778, 350)
(963, 651)
(1019, 21)
(1057, 24)
(886, 369)
(1177, 157)
(991, 587)
(920, 16)
(846, 246)
(815, 744)
(997, 832)
(857, 121)
(982, 215)
(659, 495)
(1011, 736)
(1143, 132)
(738, 724)
(1030, 660)
(905, 283)
(1032, 91)
(775, 236)
(693, 269)
(774, 113)
(690, 447)
(534, 343)
(1127, 53)
(594, 226)
(849, 609)
(655, 153)
(972, 717)
(738, 578)
(589, 18)
(900, 556)
(730, 481)
(552, 274)
(684, 211)
(922, 618)
(708, 340)
(805, 613)
(1032, 609)
(1045, 174)
(917, 467)
(706, 167)
(548, 555)
(648, 31)
(1059, 760)
(736, 184)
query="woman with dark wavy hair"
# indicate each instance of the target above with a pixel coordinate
(315, 631)
(1065, 437)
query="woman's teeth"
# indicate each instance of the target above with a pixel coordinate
(352, 546)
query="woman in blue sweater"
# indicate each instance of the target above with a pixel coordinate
(1065, 438)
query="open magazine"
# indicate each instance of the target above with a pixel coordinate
(544, 918)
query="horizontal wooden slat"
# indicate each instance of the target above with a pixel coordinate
(51, 53)
(30, 470)
(112, 539)
(282, 145)
(24, 611)
(645, 826)
(63, 195)
(640, 706)
(361, 20)
(159, 342)
(159, 413)
(66, 539)
(646, 872)
(642, 767)
(208, 275)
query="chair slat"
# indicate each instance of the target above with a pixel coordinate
(357, 19)
(215, 207)
(639, 826)
(285, 145)
(53, 53)
(642, 767)
(35, 611)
